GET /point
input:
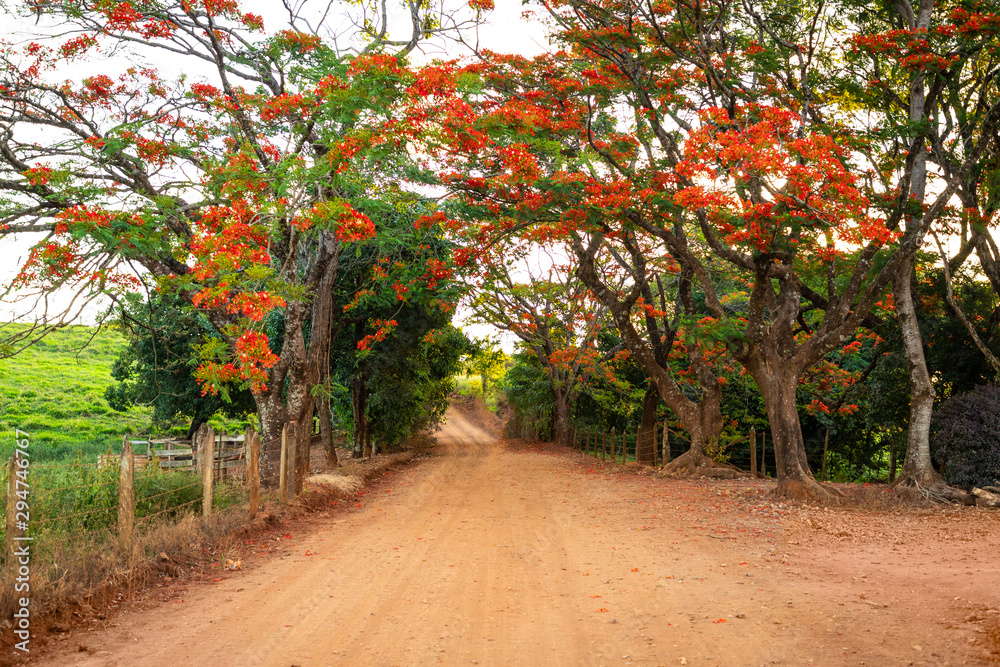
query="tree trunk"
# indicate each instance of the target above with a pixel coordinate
(560, 419)
(645, 452)
(273, 416)
(704, 426)
(326, 431)
(917, 470)
(366, 424)
(778, 387)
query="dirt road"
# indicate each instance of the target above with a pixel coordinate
(499, 556)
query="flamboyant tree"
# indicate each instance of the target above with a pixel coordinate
(238, 184)
(930, 85)
(710, 135)
(519, 155)
(395, 296)
(551, 311)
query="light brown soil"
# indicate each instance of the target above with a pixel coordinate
(514, 554)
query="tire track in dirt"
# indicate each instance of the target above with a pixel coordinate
(494, 556)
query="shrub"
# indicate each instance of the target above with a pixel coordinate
(966, 437)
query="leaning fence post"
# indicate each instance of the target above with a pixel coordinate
(126, 496)
(753, 451)
(283, 467)
(253, 471)
(207, 447)
(763, 451)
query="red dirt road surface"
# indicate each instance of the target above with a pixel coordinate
(503, 555)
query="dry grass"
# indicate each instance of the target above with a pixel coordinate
(92, 575)
(344, 484)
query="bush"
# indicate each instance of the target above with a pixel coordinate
(966, 437)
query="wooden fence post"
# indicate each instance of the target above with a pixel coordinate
(826, 441)
(293, 452)
(654, 432)
(753, 451)
(763, 451)
(303, 444)
(604, 445)
(253, 472)
(666, 442)
(207, 470)
(892, 462)
(283, 467)
(605, 458)
(126, 496)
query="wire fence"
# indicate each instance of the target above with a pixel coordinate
(663, 444)
(76, 512)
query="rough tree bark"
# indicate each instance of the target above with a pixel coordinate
(917, 470)
(326, 431)
(778, 382)
(299, 367)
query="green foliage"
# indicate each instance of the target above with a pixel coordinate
(410, 383)
(527, 388)
(156, 368)
(486, 359)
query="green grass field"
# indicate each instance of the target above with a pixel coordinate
(54, 390)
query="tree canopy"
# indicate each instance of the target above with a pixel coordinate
(738, 193)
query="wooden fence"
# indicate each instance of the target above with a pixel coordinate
(214, 457)
(609, 446)
(229, 453)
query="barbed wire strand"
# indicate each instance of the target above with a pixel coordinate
(43, 490)
(46, 466)
(169, 491)
(67, 516)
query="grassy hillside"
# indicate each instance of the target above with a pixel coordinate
(55, 391)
